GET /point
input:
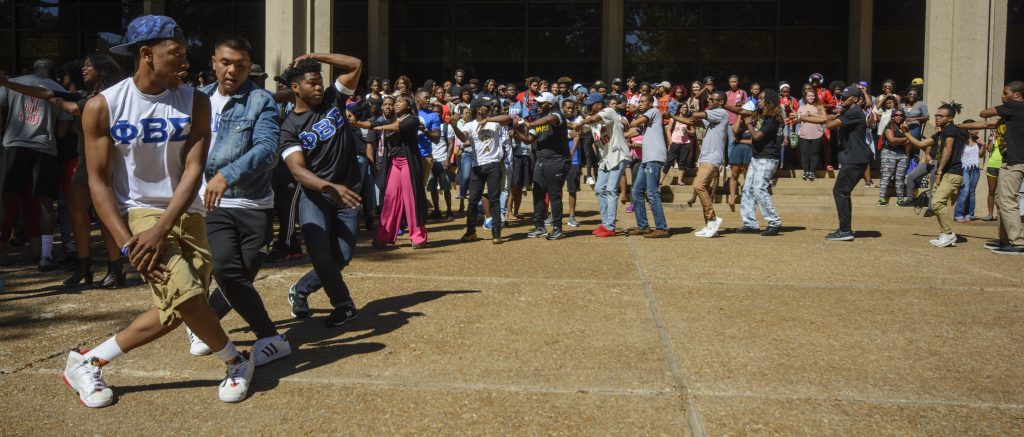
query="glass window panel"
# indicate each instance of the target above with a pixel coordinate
(6, 19)
(1014, 44)
(645, 16)
(814, 13)
(1015, 13)
(7, 53)
(749, 54)
(195, 15)
(351, 15)
(899, 13)
(351, 43)
(250, 15)
(42, 17)
(410, 14)
(563, 45)
(806, 51)
(738, 14)
(60, 47)
(499, 54)
(489, 16)
(113, 16)
(901, 61)
(657, 55)
(560, 14)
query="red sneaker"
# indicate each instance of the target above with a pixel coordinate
(599, 227)
(604, 232)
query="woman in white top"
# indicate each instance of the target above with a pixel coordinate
(974, 152)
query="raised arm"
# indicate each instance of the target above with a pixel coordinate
(350, 67)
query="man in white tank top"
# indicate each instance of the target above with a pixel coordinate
(146, 140)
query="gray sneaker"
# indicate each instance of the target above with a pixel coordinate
(556, 235)
(549, 221)
(573, 222)
(300, 306)
(537, 233)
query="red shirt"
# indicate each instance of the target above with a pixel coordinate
(826, 99)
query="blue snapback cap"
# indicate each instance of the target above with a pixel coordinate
(148, 28)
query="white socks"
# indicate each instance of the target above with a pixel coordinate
(46, 246)
(106, 351)
(228, 353)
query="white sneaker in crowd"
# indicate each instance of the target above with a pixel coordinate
(86, 378)
(268, 349)
(235, 386)
(196, 345)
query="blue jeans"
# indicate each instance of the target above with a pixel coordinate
(755, 193)
(607, 191)
(647, 183)
(965, 201)
(465, 169)
(329, 231)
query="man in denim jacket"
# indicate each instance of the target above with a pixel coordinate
(237, 195)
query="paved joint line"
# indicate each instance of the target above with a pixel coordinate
(912, 402)
(54, 355)
(394, 383)
(692, 416)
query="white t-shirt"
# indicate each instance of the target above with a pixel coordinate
(609, 138)
(439, 149)
(217, 103)
(485, 143)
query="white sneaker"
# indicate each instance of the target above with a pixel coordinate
(86, 378)
(196, 345)
(590, 180)
(713, 227)
(945, 240)
(703, 232)
(268, 349)
(236, 384)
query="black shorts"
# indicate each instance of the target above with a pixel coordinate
(32, 170)
(522, 171)
(572, 179)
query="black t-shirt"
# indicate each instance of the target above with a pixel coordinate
(768, 146)
(1012, 113)
(852, 143)
(954, 165)
(896, 133)
(553, 140)
(405, 141)
(325, 138)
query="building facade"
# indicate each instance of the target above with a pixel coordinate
(959, 47)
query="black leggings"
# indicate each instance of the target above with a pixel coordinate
(237, 238)
(587, 143)
(479, 175)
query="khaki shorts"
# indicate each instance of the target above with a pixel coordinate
(186, 255)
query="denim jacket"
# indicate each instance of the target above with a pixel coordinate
(245, 152)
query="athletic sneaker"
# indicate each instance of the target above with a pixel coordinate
(993, 244)
(883, 202)
(196, 345)
(268, 349)
(86, 378)
(573, 222)
(840, 236)
(604, 232)
(944, 240)
(713, 227)
(549, 221)
(468, 237)
(748, 230)
(236, 383)
(556, 235)
(341, 315)
(488, 223)
(1008, 250)
(537, 233)
(300, 306)
(771, 231)
(703, 232)
(657, 233)
(48, 264)
(590, 180)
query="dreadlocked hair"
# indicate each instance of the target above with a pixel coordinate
(770, 105)
(953, 107)
(295, 72)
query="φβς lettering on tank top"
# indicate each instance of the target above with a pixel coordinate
(149, 133)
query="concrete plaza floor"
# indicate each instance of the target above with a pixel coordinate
(737, 335)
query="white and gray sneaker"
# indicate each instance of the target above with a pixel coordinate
(86, 378)
(268, 349)
(714, 226)
(196, 345)
(235, 386)
(944, 240)
(703, 232)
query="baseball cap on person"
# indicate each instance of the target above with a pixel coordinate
(594, 98)
(477, 103)
(257, 71)
(863, 84)
(850, 91)
(579, 88)
(665, 84)
(148, 28)
(917, 81)
(546, 97)
(616, 80)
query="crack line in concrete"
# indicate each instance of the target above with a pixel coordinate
(445, 386)
(914, 402)
(692, 416)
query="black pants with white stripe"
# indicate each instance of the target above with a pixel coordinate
(238, 242)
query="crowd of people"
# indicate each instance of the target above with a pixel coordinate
(186, 182)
